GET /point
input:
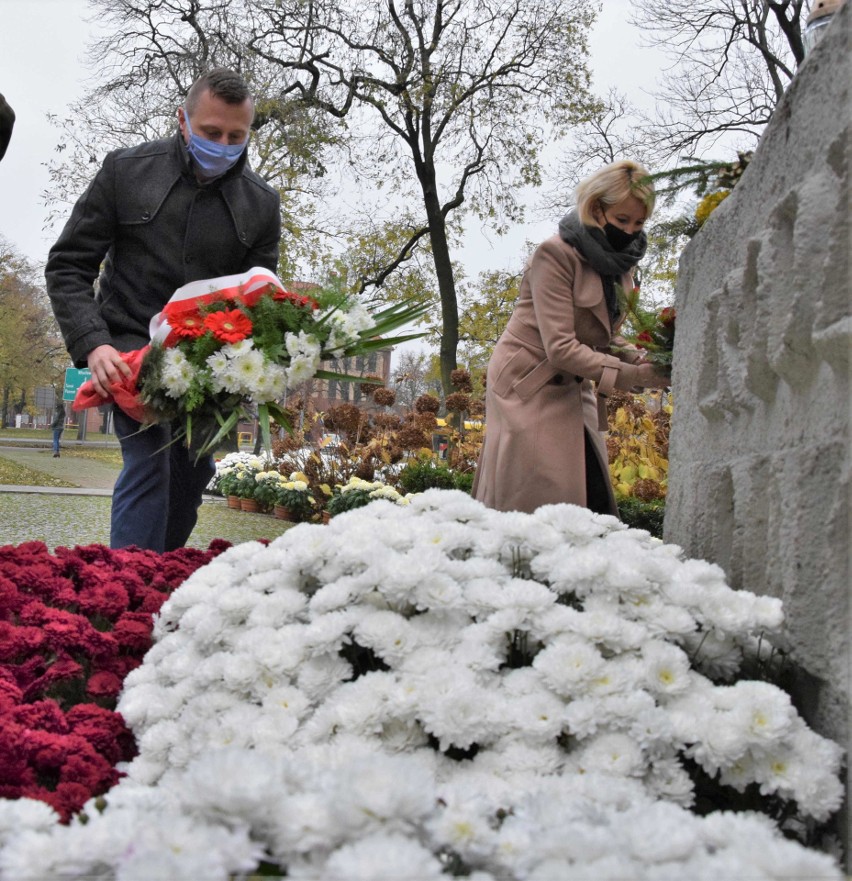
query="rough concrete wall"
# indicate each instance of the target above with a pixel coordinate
(759, 456)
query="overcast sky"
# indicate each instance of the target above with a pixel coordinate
(42, 70)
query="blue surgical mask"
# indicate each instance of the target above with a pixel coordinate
(213, 159)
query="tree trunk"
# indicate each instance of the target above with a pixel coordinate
(446, 279)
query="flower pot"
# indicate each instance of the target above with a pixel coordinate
(249, 505)
(283, 513)
(234, 502)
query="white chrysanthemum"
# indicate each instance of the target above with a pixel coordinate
(247, 371)
(232, 784)
(465, 823)
(302, 344)
(610, 753)
(764, 711)
(272, 384)
(345, 328)
(383, 793)
(218, 363)
(490, 654)
(177, 373)
(25, 814)
(668, 780)
(386, 633)
(454, 708)
(570, 665)
(383, 857)
(301, 369)
(666, 668)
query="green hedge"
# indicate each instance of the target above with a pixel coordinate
(643, 515)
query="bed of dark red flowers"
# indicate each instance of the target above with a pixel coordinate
(73, 624)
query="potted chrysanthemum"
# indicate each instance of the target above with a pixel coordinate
(266, 486)
(356, 493)
(293, 499)
(226, 481)
(245, 483)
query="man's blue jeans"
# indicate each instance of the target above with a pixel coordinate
(158, 492)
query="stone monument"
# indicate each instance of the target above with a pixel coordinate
(759, 477)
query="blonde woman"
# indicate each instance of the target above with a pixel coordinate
(552, 368)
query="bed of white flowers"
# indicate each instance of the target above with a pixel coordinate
(444, 690)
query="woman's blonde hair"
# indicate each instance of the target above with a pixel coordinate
(610, 185)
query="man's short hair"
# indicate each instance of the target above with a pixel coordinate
(221, 83)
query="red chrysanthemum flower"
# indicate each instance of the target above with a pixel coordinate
(103, 684)
(229, 326)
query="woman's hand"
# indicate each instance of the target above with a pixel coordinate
(649, 377)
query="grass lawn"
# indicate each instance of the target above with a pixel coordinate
(13, 474)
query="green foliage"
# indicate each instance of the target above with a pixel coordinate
(347, 501)
(425, 473)
(266, 491)
(31, 351)
(463, 480)
(639, 514)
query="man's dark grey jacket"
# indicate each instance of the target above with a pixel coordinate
(154, 228)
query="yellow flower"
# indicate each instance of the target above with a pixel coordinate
(709, 204)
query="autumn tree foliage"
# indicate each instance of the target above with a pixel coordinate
(31, 350)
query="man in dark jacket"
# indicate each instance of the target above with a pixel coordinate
(7, 123)
(156, 217)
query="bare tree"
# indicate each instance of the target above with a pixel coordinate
(410, 379)
(441, 106)
(732, 62)
(142, 67)
(452, 101)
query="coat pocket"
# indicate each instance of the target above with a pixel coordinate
(524, 373)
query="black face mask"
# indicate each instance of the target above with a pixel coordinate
(617, 237)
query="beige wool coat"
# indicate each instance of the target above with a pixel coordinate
(539, 392)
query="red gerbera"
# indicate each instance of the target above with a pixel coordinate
(184, 318)
(229, 326)
(187, 327)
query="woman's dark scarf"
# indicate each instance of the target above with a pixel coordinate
(592, 243)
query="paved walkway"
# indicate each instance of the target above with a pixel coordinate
(81, 514)
(90, 476)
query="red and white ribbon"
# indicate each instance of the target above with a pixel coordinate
(206, 290)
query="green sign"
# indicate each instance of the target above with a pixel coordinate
(74, 378)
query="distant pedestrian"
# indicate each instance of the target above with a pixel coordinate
(58, 425)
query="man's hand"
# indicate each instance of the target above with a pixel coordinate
(107, 367)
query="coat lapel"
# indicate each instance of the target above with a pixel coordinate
(589, 294)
